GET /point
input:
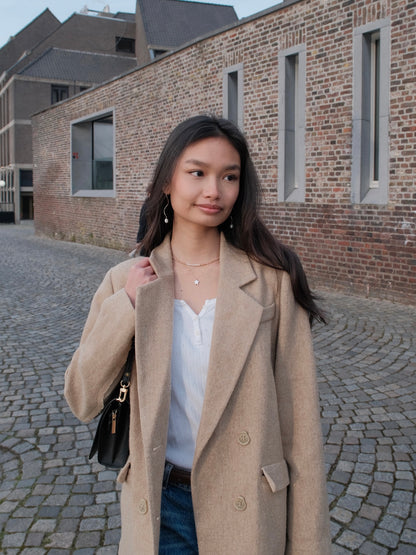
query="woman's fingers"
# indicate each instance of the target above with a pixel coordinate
(141, 273)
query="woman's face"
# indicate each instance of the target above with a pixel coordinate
(205, 183)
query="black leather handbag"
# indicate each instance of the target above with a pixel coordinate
(111, 441)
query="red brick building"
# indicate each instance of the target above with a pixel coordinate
(325, 92)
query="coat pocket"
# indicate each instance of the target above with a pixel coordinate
(277, 475)
(122, 475)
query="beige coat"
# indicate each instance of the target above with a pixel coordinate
(258, 484)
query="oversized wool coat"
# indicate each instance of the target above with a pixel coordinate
(258, 484)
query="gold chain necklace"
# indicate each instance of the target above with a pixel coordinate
(197, 281)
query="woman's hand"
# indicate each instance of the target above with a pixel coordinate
(139, 274)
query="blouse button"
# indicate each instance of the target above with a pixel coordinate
(240, 503)
(244, 438)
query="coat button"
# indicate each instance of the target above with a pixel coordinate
(243, 438)
(240, 503)
(142, 506)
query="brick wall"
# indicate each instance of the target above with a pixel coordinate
(364, 249)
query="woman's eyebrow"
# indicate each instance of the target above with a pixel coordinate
(195, 162)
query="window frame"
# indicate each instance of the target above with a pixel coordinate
(59, 89)
(292, 121)
(127, 45)
(94, 193)
(371, 113)
(228, 72)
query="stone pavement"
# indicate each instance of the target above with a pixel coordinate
(53, 500)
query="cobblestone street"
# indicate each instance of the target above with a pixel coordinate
(53, 500)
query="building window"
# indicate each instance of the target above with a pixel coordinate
(292, 83)
(58, 93)
(233, 94)
(92, 142)
(155, 53)
(371, 103)
(126, 45)
(26, 179)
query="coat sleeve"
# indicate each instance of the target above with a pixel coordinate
(105, 342)
(298, 400)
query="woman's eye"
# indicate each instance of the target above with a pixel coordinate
(197, 173)
(231, 177)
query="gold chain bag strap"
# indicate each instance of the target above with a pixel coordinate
(111, 441)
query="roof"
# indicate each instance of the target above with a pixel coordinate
(72, 65)
(27, 38)
(125, 15)
(172, 23)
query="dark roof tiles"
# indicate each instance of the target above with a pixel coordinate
(172, 23)
(72, 65)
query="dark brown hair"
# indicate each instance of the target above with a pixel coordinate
(248, 232)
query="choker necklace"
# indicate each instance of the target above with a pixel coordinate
(196, 265)
(189, 266)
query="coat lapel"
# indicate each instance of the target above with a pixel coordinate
(237, 318)
(154, 324)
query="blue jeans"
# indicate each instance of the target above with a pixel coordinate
(177, 524)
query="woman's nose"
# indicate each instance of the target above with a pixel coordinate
(212, 188)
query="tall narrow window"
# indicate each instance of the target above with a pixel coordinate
(92, 156)
(374, 45)
(233, 94)
(102, 153)
(371, 113)
(292, 82)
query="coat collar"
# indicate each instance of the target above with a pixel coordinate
(237, 318)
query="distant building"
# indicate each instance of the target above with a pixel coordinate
(48, 62)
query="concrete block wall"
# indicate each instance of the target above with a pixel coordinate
(358, 248)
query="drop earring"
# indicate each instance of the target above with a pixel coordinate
(231, 222)
(166, 220)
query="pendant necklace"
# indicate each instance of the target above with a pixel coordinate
(190, 266)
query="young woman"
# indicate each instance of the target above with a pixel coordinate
(225, 439)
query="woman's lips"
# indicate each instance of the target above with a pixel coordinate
(209, 208)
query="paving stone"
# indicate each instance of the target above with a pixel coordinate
(370, 512)
(92, 524)
(386, 538)
(13, 540)
(88, 539)
(363, 526)
(409, 536)
(351, 540)
(370, 548)
(403, 549)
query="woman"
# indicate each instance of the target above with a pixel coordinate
(225, 441)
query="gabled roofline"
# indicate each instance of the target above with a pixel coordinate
(13, 37)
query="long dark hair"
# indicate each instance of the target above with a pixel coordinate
(248, 232)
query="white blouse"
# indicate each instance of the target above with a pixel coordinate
(191, 347)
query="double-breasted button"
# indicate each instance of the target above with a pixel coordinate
(240, 503)
(243, 438)
(143, 506)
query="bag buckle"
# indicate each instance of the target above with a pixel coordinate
(123, 392)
